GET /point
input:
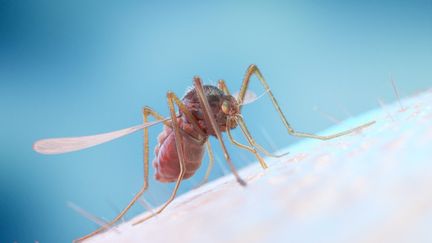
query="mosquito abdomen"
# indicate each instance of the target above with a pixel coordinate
(166, 161)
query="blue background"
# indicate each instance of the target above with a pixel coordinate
(85, 67)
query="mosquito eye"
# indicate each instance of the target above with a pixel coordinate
(225, 107)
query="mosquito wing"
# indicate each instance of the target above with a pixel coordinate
(250, 97)
(65, 145)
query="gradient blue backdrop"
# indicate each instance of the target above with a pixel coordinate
(84, 67)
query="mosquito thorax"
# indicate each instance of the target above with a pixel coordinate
(222, 106)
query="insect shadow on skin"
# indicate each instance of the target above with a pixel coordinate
(204, 111)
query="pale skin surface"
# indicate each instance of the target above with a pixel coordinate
(253, 146)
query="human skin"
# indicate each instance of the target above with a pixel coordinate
(370, 186)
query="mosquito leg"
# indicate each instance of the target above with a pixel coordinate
(188, 115)
(251, 140)
(210, 165)
(146, 112)
(209, 117)
(224, 87)
(254, 70)
(248, 148)
(211, 161)
(179, 146)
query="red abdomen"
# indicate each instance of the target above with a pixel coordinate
(167, 162)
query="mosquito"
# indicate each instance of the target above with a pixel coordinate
(204, 111)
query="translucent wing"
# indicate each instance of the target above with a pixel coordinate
(250, 97)
(65, 145)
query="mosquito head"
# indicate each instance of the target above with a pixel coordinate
(230, 106)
